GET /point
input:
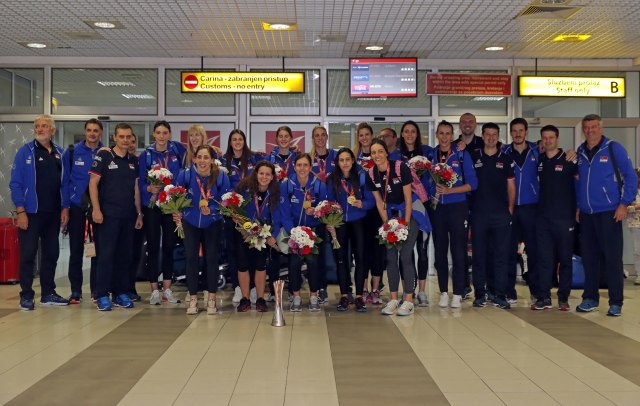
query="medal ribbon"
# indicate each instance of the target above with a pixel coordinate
(386, 184)
(444, 159)
(346, 187)
(322, 169)
(203, 195)
(260, 208)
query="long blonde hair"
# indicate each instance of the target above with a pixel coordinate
(188, 159)
(356, 148)
(313, 146)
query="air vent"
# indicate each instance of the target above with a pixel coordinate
(83, 35)
(548, 12)
(332, 37)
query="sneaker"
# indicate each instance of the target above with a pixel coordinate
(211, 307)
(512, 300)
(253, 295)
(167, 296)
(291, 296)
(466, 293)
(615, 311)
(352, 300)
(155, 298)
(237, 295)
(563, 306)
(314, 304)
(367, 296)
(390, 308)
(480, 302)
(193, 306)
(501, 303)
(361, 306)
(122, 300)
(261, 305)
(54, 299)
(444, 300)
(134, 297)
(422, 299)
(270, 298)
(94, 298)
(296, 304)
(406, 309)
(542, 304)
(323, 297)
(75, 298)
(490, 297)
(104, 304)
(343, 305)
(587, 305)
(456, 301)
(27, 303)
(244, 306)
(375, 297)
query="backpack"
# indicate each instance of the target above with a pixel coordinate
(416, 184)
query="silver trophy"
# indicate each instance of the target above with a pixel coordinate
(278, 315)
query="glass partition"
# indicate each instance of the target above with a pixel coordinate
(220, 104)
(21, 91)
(290, 104)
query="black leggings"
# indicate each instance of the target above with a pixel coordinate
(154, 223)
(210, 239)
(350, 233)
(375, 260)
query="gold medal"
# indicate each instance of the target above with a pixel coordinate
(306, 204)
(351, 199)
(205, 210)
(204, 203)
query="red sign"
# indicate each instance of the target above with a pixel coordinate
(213, 138)
(270, 137)
(190, 82)
(468, 84)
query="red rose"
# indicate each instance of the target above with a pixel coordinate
(391, 237)
(305, 250)
(166, 181)
(386, 226)
(162, 197)
(234, 200)
(401, 221)
(309, 232)
(446, 176)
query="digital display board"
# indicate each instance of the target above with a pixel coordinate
(383, 77)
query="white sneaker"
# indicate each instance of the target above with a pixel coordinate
(456, 302)
(422, 299)
(390, 308)
(444, 300)
(253, 296)
(155, 298)
(167, 296)
(406, 309)
(237, 295)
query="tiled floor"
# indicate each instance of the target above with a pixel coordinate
(159, 356)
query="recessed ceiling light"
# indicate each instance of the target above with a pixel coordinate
(494, 48)
(36, 45)
(104, 24)
(571, 38)
(278, 26)
(374, 48)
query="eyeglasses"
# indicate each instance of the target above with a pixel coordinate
(386, 136)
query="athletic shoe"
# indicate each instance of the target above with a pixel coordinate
(155, 298)
(253, 295)
(211, 307)
(167, 296)
(406, 309)
(27, 304)
(466, 293)
(261, 305)
(122, 300)
(456, 301)
(291, 296)
(367, 296)
(54, 299)
(375, 297)
(296, 304)
(563, 306)
(193, 307)
(543, 304)
(75, 298)
(352, 300)
(361, 306)
(615, 311)
(422, 299)
(237, 295)
(480, 302)
(390, 308)
(587, 305)
(343, 304)
(501, 303)
(134, 297)
(323, 297)
(104, 304)
(271, 298)
(314, 304)
(512, 300)
(244, 306)
(490, 297)
(444, 300)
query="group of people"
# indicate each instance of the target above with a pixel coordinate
(502, 195)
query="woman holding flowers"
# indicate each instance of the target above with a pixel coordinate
(450, 215)
(347, 186)
(262, 191)
(202, 224)
(162, 154)
(390, 182)
(299, 194)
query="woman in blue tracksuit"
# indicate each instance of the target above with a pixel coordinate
(167, 154)
(283, 154)
(262, 190)
(202, 223)
(347, 186)
(450, 217)
(298, 195)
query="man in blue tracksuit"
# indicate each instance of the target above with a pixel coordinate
(77, 162)
(607, 185)
(41, 209)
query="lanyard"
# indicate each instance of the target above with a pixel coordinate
(346, 188)
(444, 159)
(322, 169)
(203, 195)
(285, 163)
(166, 161)
(260, 208)
(386, 184)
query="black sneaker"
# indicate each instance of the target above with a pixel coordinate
(352, 300)
(27, 303)
(343, 305)
(360, 305)
(261, 305)
(54, 299)
(543, 304)
(466, 293)
(501, 303)
(134, 297)
(323, 297)
(244, 306)
(75, 298)
(480, 302)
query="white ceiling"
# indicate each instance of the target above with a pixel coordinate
(434, 29)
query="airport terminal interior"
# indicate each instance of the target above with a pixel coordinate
(124, 62)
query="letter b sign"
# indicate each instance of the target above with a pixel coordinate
(614, 87)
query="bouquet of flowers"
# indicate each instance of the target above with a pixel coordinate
(158, 176)
(173, 199)
(442, 174)
(220, 166)
(256, 234)
(329, 213)
(232, 205)
(420, 165)
(393, 233)
(366, 163)
(303, 241)
(281, 175)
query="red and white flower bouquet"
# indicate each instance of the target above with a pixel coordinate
(232, 205)
(158, 176)
(393, 233)
(256, 234)
(330, 213)
(442, 174)
(281, 174)
(420, 165)
(172, 200)
(303, 241)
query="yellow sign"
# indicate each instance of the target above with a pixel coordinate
(242, 82)
(564, 86)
